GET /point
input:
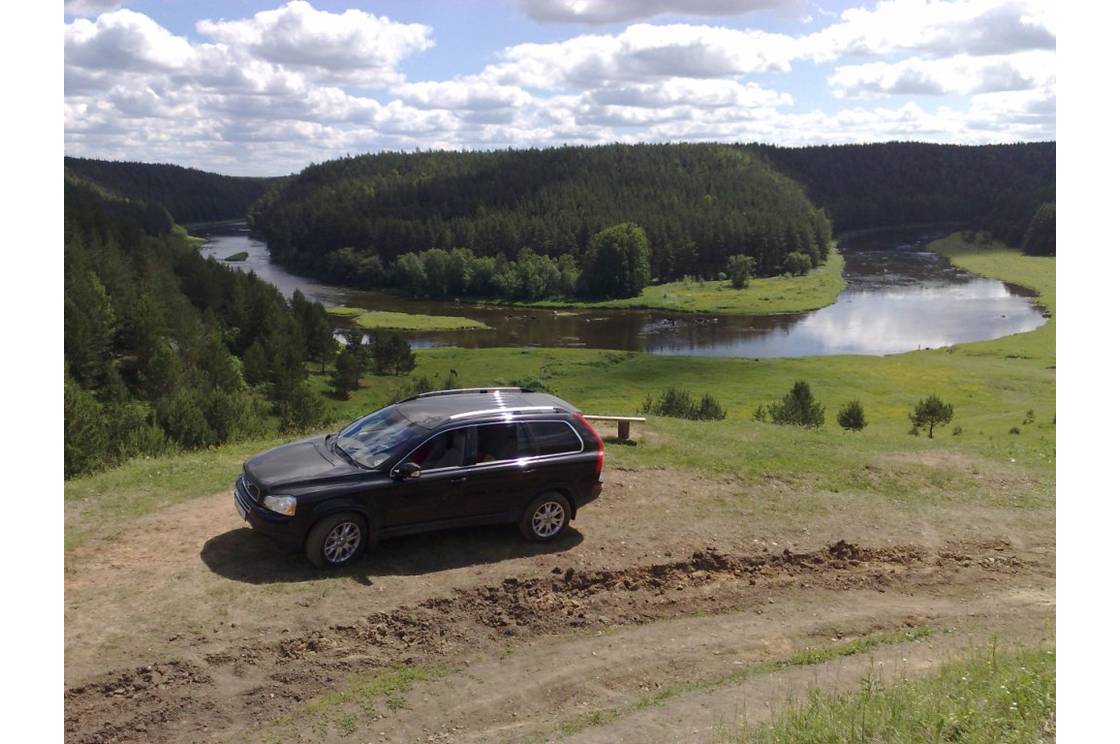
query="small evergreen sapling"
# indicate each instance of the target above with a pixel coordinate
(851, 416)
(930, 413)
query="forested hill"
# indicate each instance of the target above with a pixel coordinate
(165, 349)
(697, 203)
(995, 187)
(189, 195)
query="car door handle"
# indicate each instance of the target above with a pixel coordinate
(458, 479)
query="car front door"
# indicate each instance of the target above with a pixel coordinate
(431, 496)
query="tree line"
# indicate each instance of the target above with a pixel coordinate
(352, 220)
(189, 195)
(996, 188)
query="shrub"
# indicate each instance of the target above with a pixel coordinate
(678, 403)
(851, 416)
(1014, 430)
(798, 408)
(798, 264)
(760, 413)
(739, 269)
(931, 412)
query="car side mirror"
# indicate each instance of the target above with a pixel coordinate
(406, 470)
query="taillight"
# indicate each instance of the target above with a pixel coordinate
(598, 440)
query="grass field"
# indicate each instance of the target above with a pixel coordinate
(991, 697)
(383, 319)
(772, 295)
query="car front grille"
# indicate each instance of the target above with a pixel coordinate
(248, 490)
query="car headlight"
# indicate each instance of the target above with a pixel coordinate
(281, 504)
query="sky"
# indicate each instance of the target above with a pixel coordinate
(258, 87)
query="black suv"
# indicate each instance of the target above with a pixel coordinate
(441, 459)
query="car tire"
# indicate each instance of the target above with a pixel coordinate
(338, 540)
(546, 517)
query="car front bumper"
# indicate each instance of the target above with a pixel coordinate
(281, 529)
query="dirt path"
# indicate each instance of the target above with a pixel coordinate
(196, 629)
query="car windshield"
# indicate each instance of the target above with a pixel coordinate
(371, 440)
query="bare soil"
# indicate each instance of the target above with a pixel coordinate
(193, 628)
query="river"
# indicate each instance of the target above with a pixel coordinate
(900, 297)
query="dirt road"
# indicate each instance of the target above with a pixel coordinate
(636, 625)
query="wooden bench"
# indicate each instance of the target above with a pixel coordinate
(623, 424)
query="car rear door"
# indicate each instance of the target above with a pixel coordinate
(503, 471)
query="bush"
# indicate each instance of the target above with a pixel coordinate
(678, 403)
(851, 416)
(798, 408)
(930, 412)
(739, 269)
(798, 264)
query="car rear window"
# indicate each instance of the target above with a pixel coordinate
(554, 437)
(498, 442)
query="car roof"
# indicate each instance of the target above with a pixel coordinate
(475, 404)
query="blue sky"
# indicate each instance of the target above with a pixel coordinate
(254, 87)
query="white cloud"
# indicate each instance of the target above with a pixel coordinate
(350, 46)
(644, 52)
(936, 28)
(702, 94)
(464, 94)
(86, 8)
(596, 12)
(961, 75)
(124, 40)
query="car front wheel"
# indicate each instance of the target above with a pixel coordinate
(546, 517)
(337, 541)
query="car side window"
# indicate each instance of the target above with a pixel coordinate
(443, 451)
(554, 437)
(498, 442)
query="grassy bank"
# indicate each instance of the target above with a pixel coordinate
(998, 388)
(239, 256)
(990, 697)
(772, 295)
(385, 320)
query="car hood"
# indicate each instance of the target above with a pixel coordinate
(308, 460)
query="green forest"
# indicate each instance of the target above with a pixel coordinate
(524, 224)
(356, 219)
(165, 349)
(190, 195)
(997, 188)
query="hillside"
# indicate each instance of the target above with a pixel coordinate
(996, 187)
(166, 350)
(697, 203)
(190, 195)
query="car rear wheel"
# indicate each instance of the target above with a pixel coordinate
(337, 541)
(546, 517)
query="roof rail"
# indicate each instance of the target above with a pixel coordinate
(458, 391)
(517, 410)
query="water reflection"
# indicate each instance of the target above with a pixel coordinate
(900, 297)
